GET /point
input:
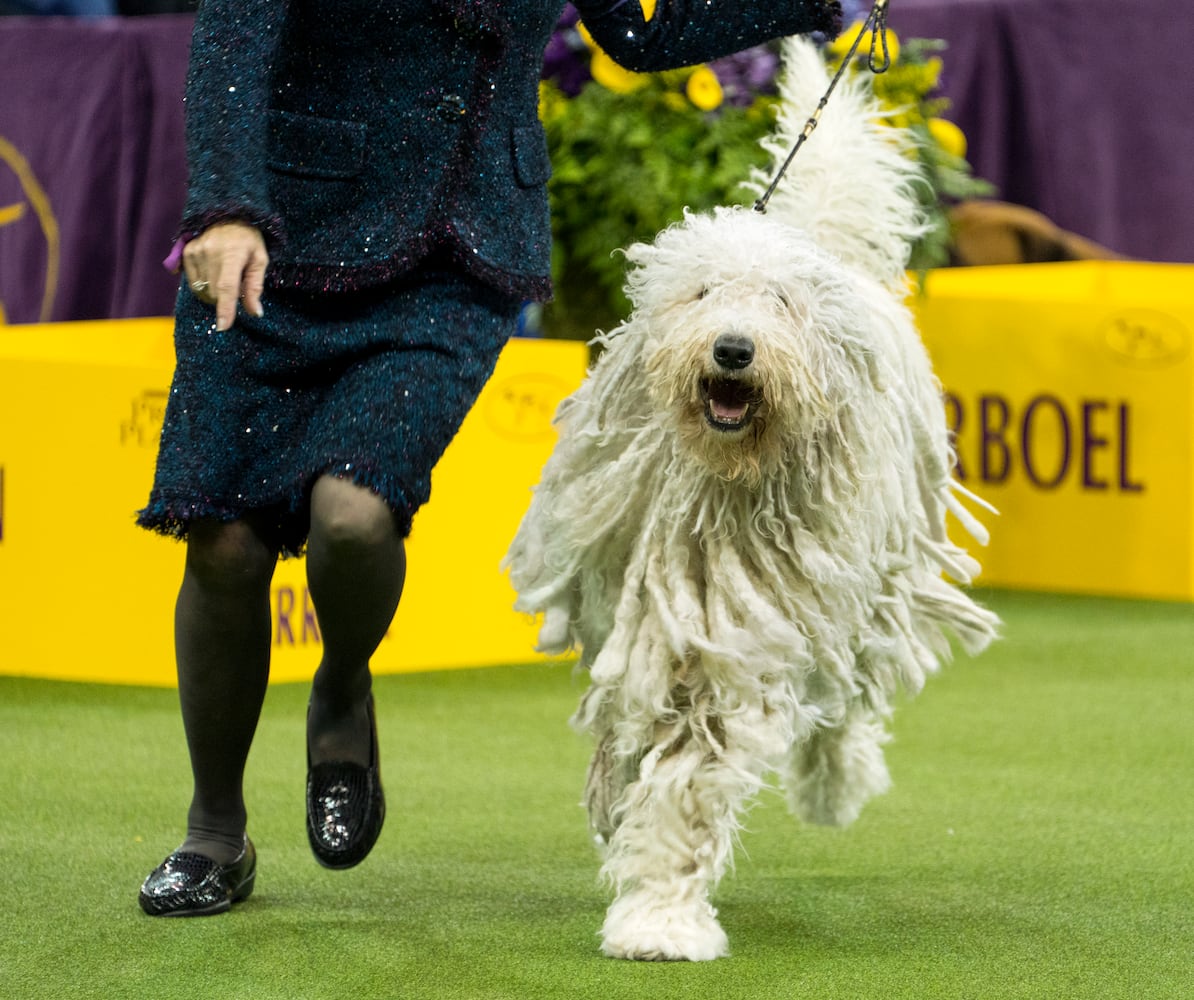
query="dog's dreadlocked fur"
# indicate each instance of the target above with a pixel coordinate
(743, 524)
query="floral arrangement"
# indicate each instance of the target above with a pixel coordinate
(630, 151)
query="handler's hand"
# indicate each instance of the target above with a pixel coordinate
(225, 263)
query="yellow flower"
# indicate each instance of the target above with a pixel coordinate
(612, 76)
(932, 73)
(841, 45)
(551, 102)
(948, 136)
(607, 72)
(704, 89)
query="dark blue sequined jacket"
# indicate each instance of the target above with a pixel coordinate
(360, 135)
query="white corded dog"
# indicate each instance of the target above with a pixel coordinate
(743, 524)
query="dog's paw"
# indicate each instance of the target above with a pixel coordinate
(646, 928)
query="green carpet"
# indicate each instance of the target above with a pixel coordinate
(1037, 843)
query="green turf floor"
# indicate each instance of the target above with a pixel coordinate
(1038, 843)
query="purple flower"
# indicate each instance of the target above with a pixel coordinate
(854, 10)
(746, 75)
(566, 58)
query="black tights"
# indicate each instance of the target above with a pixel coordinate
(356, 566)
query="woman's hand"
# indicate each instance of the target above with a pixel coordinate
(225, 263)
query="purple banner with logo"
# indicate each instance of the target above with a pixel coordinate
(92, 165)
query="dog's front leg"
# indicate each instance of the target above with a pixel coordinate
(673, 840)
(663, 858)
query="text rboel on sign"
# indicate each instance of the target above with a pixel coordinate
(1046, 440)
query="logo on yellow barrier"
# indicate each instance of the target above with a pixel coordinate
(1146, 337)
(521, 407)
(144, 425)
(1048, 441)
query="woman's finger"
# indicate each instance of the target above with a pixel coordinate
(194, 266)
(254, 279)
(227, 286)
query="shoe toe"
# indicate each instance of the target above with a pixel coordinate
(188, 884)
(345, 812)
(346, 806)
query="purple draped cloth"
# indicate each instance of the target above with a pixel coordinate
(92, 165)
(1079, 109)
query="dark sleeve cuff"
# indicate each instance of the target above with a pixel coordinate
(270, 226)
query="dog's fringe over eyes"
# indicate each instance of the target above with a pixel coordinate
(742, 526)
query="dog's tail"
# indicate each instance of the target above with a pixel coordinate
(853, 184)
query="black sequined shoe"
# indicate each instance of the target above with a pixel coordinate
(345, 807)
(187, 884)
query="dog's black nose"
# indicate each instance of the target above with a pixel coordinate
(733, 351)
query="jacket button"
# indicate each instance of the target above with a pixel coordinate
(451, 107)
(467, 29)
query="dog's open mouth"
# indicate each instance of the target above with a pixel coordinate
(730, 403)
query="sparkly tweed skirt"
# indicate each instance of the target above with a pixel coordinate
(369, 386)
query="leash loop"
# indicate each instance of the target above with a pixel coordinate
(878, 38)
(876, 23)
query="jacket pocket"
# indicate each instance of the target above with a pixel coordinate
(308, 146)
(532, 166)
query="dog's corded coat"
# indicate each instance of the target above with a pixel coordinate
(743, 524)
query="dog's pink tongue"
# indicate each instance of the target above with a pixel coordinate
(727, 413)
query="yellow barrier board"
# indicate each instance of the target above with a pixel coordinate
(86, 595)
(1069, 387)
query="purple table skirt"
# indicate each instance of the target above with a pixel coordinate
(1080, 109)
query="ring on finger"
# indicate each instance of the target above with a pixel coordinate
(198, 286)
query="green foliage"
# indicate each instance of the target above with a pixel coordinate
(949, 182)
(630, 153)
